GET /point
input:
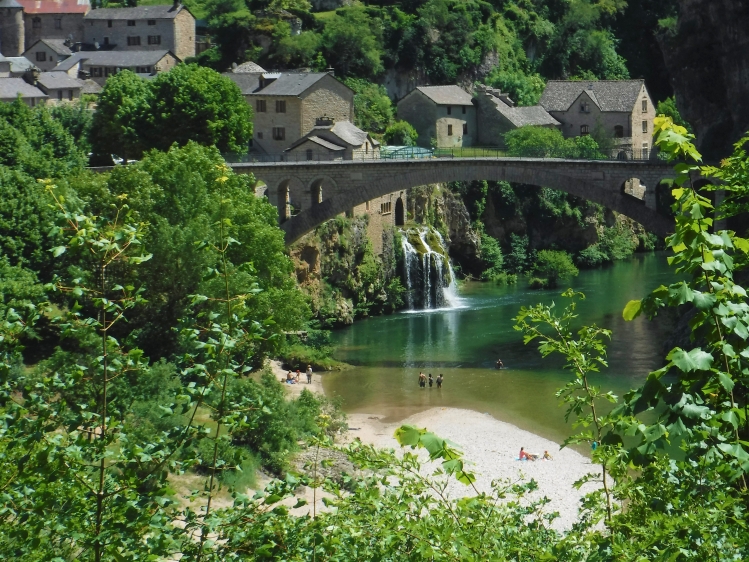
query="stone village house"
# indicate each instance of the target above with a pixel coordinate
(24, 22)
(46, 54)
(443, 114)
(100, 65)
(622, 109)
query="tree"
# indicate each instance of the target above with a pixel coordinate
(668, 108)
(192, 103)
(401, 133)
(553, 265)
(351, 46)
(373, 109)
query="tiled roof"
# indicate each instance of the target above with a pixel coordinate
(57, 45)
(11, 87)
(248, 66)
(55, 6)
(317, 140)
(121, 59)
(247, 83)
(56, 80)
(292, 84)
(349, 133)
(523, 116)
(162, 12)
(447, 95)
(88, 86)
(18, 64)
(9, 4)
(609, 95)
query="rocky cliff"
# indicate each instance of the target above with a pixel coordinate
(707, 56)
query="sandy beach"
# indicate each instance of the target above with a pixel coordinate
(489, 445)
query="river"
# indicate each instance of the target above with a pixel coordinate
(463, 344)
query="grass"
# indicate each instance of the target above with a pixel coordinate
(324, 16)
(470, 152)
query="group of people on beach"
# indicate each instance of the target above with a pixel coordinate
(526, 456)
(423, 380)
(293, 378)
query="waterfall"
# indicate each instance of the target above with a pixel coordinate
(427, 272)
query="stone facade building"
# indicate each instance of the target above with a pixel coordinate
(48, 53)
(442, 115)
(287, 105)
(59, 86)
(334, 140)
(24, 22)
(621, 109)
(498, 115)
(100, 65)
(143, 28)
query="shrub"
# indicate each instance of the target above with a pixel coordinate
(553, 265)
(401, 133)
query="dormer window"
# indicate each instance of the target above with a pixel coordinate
(585, 107)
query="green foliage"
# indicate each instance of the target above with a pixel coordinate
(524, 89)
(667, 108)
(373, 109)
(541, 142)
(401, 133)
(614, 243)
(188, 103)
(552, 266)
(351, 44)
(517, 259)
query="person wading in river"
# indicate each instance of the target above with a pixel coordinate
(439, 380)
(431, 380)
(422, 380)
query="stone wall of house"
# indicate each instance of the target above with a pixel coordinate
(184, 35)
(50, 58)
(310, 151)
(52, 26)
(156, 37)
(421, 113)
(642, 136)
(382, 216)
(327, 98)
(11, 32)
(493, 124)
(265, 122)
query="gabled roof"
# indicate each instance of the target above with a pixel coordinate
(9, 4)
(522, 116)
(55, 6)
(447, 95)
(318, 141)
(18, 64)
(292, 83)
(348, 133)
(88, 86)
(247, 83)
(609, 95)
(57, 45)
(121, 59)
(57, 80)
(162, 12)
(11, 87)
(248, 66)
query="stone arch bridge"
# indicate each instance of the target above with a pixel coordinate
(318, 191)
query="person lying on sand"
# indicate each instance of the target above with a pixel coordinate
(526, 456)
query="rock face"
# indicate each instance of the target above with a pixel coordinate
(708, 60)
(438, 206)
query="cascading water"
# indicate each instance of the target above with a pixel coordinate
(427, 272)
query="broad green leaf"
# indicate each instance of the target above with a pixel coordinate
(695, 360)
(632, 310)
(408, 435)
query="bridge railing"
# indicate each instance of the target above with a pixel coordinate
(621, 154)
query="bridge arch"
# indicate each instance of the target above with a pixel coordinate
(581, 179)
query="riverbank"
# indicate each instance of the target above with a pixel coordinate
(490, 447)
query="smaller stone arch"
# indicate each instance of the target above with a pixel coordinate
(320, 188)
(400, 212)
(316, 192)
(286, 198)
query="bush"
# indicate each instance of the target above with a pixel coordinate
(553, 265)
(401, 133)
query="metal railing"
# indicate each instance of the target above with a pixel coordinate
(620, 154)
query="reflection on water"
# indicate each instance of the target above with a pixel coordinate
(463, 344)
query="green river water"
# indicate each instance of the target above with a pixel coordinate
(463, 344)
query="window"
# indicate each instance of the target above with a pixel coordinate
(279, 133)
(131, 23)
(41, 56)
(449, 110)
(96, 72)
(310, 154)
(151, 22)
(143, 69)
(464, 110)
(449, 130)
(618, 132)
(36, 23)
(106, 40)
(109, 23)
(386, 208)
(585, 107)
(70, 95)
(584, 130)
(644, 146)
(133, 41)
(465, 128)
(58, 23)
(280, 106)
(260, 135)
(59, 95)
(154, 39)
(644, 106)
(644, 126)
(260, 106)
